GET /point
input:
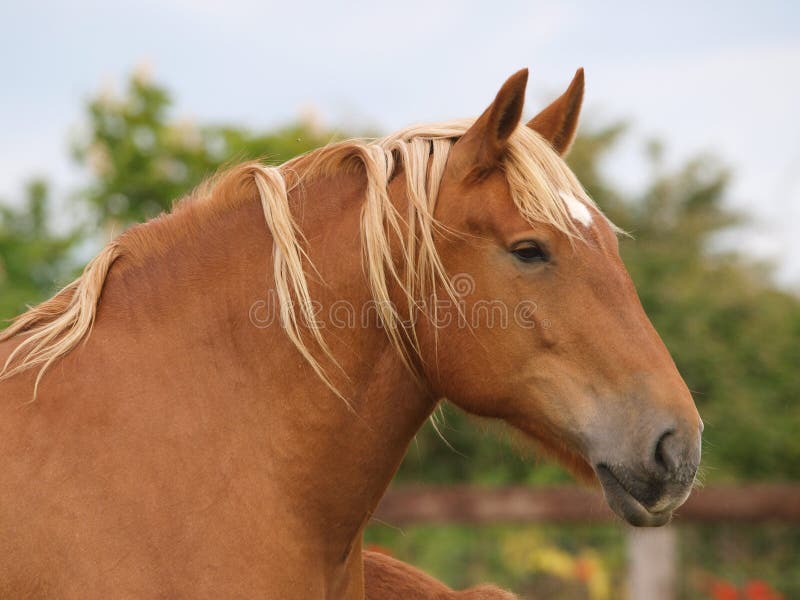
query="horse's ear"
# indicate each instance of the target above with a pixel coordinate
(558, 122)
(482, 146)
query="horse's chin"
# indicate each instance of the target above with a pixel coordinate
(566, 455)
(618, 498)
(625, 505)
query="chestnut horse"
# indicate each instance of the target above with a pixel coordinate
(386, 578)
(216, 406)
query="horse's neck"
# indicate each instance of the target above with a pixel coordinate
(326, 461)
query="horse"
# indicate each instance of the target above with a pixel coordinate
(216, 405)
(386, 578)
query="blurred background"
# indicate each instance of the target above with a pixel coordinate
(690, 140)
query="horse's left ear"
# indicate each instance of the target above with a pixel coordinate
(482, 147)
(558, 122)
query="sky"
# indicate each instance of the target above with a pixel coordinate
(704, 77)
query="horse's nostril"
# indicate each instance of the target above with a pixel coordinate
(664, 454)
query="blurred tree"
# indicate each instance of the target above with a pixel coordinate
(33, 259)
(141, 161)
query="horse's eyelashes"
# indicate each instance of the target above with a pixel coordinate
(529, 251)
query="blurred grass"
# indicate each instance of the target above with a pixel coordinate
(567, 562)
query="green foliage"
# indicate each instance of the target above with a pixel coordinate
(562, 562)
(476, 450)
(33, 259)
(739, 555)
(142, 161)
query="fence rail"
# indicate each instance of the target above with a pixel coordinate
(470, 504)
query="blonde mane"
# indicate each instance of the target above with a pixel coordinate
(536, 175)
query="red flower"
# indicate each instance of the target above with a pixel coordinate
(757, 589)
(722, 590)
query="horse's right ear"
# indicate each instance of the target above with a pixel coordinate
(558, 122)
(482, 146)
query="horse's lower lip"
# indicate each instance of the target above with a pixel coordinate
(625, 505)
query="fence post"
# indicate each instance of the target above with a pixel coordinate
(652, 563)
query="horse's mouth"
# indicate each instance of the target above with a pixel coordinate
(625, 504)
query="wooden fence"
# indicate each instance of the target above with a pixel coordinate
(652, 572)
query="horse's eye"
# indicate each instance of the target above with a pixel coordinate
(529, 252)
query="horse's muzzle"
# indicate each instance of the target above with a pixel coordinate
(646, 492)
